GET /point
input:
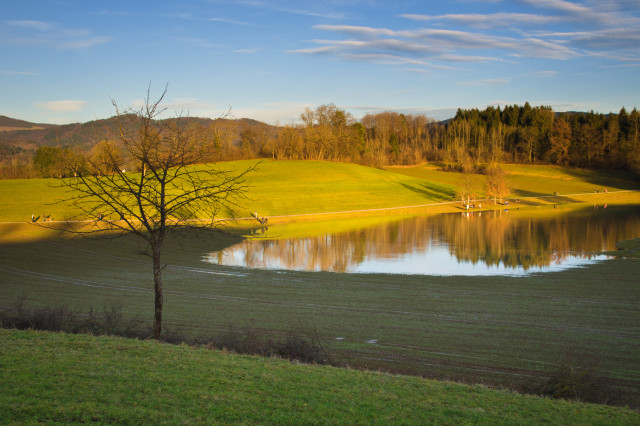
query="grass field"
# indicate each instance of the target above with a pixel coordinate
(277, 188)
(282, 188)
(506, 331)
(50, 377)
(503, 331)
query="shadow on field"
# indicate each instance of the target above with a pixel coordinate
(542, 198)
(432, 193)
(605, 178)
(39, 240)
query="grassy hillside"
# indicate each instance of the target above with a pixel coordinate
(278, 188)
(308, 187)
(49, 377)
(535, 181)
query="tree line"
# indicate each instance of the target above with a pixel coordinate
(468, 142)
(514, 134)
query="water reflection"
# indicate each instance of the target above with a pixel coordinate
(488, 243)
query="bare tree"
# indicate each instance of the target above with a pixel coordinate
(496, 184)
(168, 189)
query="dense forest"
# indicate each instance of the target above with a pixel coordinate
(469, 141)
(515, 134)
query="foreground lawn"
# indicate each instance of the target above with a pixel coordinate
(50, 377)
(505, 331)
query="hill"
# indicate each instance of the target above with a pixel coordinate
(18, 135)
(50, 377)
(10, 124)
(276, 188)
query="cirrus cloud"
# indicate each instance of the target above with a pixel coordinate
(588, 29)
(50, 34)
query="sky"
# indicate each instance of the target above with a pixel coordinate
(68, 61)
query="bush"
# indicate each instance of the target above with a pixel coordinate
(574, 382)
(109, 321)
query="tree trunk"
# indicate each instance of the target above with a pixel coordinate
(157, 279)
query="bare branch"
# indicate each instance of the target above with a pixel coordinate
(170, 187)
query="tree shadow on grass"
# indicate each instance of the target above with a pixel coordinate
(435, 193)
(621, 179)
(540, 198)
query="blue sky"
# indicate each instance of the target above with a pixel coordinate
(63, 61)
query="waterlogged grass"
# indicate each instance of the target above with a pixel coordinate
(496, 330)
(628, 248)
(50, 377)
(507, 331)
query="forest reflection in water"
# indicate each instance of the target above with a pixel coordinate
(487, 243)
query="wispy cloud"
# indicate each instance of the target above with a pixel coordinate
(51, 35)
(83, 43)
(201, 42)
(546, 73)
(492, 20)
(62, 106)
(489, 82)
(318, 12)
(9, 72)
(227, 21)
(36, 25)
(494, 37)
(440, 44)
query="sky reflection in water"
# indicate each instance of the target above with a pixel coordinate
(498, 243)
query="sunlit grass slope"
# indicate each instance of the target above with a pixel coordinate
(308, 187)
(277, 188)
(528, 180)
(301, 187)
(20, 198)
(49, 377)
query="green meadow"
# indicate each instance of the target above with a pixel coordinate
(503, 332)
(61, 378)
(308, 188)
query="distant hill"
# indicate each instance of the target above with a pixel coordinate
(8, 124)
(19, 136)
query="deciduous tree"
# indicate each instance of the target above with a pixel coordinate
(560, 141)
(171, 190)
(496, 184)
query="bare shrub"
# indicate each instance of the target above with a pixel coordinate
(576, 378)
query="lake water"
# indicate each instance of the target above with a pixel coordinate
(505, 242)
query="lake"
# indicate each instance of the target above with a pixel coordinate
(501, 242)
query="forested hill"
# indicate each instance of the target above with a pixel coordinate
(20, 140)
(473, 138)
(19, 133)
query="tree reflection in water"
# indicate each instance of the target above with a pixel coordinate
(495, 240)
